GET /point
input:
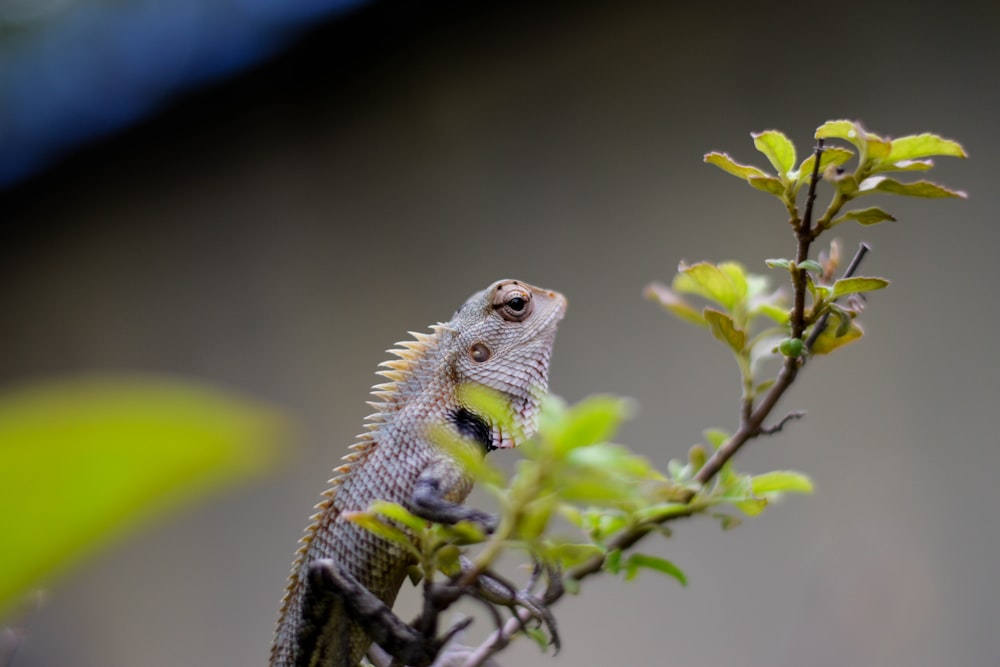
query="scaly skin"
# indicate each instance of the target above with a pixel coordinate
(501, 338)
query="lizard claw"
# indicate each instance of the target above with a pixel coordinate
(494, 590)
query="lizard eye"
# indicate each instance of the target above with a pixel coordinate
(513, 302)
(517, 304)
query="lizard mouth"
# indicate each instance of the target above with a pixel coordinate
(552, 304)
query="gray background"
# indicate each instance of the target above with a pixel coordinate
(275, 235)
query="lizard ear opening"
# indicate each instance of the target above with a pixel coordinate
(480, 353)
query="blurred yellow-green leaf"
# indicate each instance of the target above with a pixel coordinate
(769, 184)
(397, 512)
(917, 146)
(673, 302)
(778, 149)
(731, 166)
(84, 460)
(865, 216)
(781, 481)
(593, 420)
(828, 341)
(639, 561)
(857, 285)
(724, 329)
(840, 129)
(371, 521)
(712, 282)
(891, 186)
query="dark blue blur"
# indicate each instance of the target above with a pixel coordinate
(74, 70)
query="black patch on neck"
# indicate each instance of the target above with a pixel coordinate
(474, 427)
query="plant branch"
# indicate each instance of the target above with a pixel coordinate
(752, 417)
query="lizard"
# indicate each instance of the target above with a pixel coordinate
(345, 578)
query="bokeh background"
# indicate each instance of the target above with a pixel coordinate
(267, 195)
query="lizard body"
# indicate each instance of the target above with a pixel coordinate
(501, 338)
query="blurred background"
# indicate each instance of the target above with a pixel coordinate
(266, 195)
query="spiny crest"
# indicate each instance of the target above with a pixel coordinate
(410, 353)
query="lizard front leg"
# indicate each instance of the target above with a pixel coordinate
(439, 492)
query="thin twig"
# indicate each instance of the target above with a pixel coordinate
(863, 249)
(771, 430)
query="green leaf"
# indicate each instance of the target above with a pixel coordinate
(465, 532)
(779, 151)
(637, 561)
(751, 506)
(872, 147)
(776, 313)
(593, 420)
(903, 165)
(778, 263)
(614, 459)
(605, 474)
(840, 129)
(716, 437)
(446, 559)
(738, 491)
(697, 455)
(613, 561)
(678, 470)
(877, 148)
(534, 517)
(85, 461)
(781, 481)
(828, 341)
(673, 302)
(770, 184)
(811, 265)
(710, 282)
(844, 320)
(865, 216)
(737, 278)
(724, 329)
(856, 285)
(763, 386)
(606, 525)
(375, 524)
(924, 145)
(845, 182)
(917, 189)
(397, 512)
(468, 454)
(831, 156)
(569, 554)
(731, 166)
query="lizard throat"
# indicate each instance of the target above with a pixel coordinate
(472, 426)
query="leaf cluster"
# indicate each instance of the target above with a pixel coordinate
(875, 156)
(738, 301)
(573, 476)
